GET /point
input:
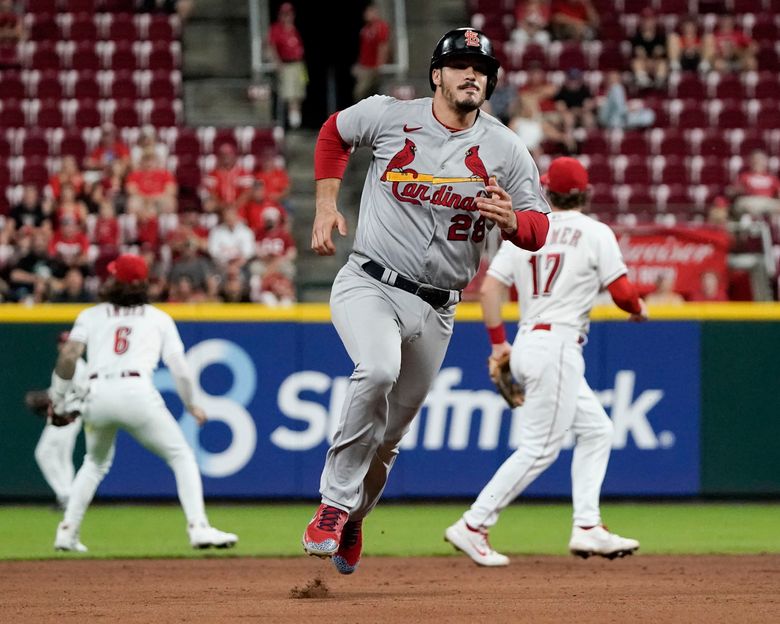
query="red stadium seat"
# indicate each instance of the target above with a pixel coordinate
(262, 142)
(599, 171)
(636, 172)
(35, 172)
(692, 115)
(11, 86)
(594, 143)
(767, 57)
(163, 114)
(43, 27)
(161, 57)
(118, 6)
(753, 139)
(747, 6)
(187, 145)
(44, 56)
(83, 28)
(123, 87)
(125, 114)
(160, 29)
(86, 86)
(611, 57)
(12, 115)
(728, 86)
(768, 114)
(533, 54)
(163, 86)
(640, 197)
(48, 86)
(634, 144)
(674, 171)
(35, 144)
(714, 144)
(81, 6)
(5, 148)
(689, 87)
(731, 116)
(48, 7)
(188, 176)
(602, 196)
(767, 86)
(765, 29)
(73, 144)
(50, 115)
(713, 172)
(86, 58)
(122, 58)
(87, 115)
(571, 56)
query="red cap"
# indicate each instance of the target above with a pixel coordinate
(566, 175)
(128, 268)
(63, 337)
(720, 202)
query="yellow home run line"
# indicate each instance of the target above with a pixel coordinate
(395, 176)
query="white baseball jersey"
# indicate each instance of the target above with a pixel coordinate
(559, 283)
(126, 339)
(418, 213)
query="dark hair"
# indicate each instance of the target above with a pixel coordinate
(125, 295)
(568, 201)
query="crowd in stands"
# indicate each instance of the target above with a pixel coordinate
(208, 208)
(672, 106)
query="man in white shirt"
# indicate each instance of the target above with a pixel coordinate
(232, 241)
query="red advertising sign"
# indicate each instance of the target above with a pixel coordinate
(687, 254)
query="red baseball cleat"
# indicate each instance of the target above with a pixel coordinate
(321, 538)
(347, 556)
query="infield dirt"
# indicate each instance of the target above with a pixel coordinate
(387, 590)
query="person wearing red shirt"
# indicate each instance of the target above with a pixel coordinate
(11, 32)
(70, 206)
(285, 47)
(228, 183)
(151, 188)
(573, 19)
(731, 49)
(69, 174)
(374, 52)
(274, 174)
(69, 244)
(758, 190)
(258, 202)
(276, 252)
(108, 150)
(106, 231)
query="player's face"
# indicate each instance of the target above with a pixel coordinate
(462, 82)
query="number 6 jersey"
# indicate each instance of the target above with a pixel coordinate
(559, 283)
(126, 338)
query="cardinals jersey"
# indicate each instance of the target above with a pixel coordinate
(122, 339)
(559, 283)
(418, 213)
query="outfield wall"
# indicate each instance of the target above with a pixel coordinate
(691, 395)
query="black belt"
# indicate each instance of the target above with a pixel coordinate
(122, 374)
(436, 297)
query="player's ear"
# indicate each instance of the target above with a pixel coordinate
(436, 76)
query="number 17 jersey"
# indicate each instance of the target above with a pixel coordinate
(559, 283)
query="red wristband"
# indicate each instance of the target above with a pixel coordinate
(497, 334)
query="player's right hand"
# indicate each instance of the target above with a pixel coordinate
(325, 221)
(500, 350)
(642, 314)
(198, 414)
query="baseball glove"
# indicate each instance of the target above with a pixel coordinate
(501, 376)
(60, 418)
(38, 402)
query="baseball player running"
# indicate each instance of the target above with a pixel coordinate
(557, 286)
(54, 451)
(124, 339)
(443, 174)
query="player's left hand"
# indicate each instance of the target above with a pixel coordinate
(198, 414)
(498, 207)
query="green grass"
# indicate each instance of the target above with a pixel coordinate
(118, 531)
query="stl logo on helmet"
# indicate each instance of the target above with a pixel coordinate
(472, 39)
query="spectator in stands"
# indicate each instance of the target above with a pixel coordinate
(531, 20)
(151, 188)
(374, 52)
(530, 125)
(70, 206)
(234, 288)
(68, 174)
(615, 111)
(540, 89)
(276, 289)
(575, 102)
(109, 149)
(112, 184)
(503, 99)
(70, 244)
(148, 142)
(710, 288)
(718, 213)
(31, 211)
(105, 234)
(183, 291)
(251, 211)
(274, 173)
(190, 264)
(11, 33)
(573, 20)
(32, 275)
(231, 242)
(756, 189)
(182, 8)
(72, 288)
(275, 246)
(732, 50)
(649, 57)
(686, 48)
(664, 293)
(228, 183)
(285, 47)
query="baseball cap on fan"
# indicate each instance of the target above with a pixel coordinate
(566, 175)
(128, 268)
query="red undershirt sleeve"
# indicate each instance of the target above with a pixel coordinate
(624, 295)
(531, 233)
(331, 153)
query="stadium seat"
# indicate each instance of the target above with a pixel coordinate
(48, 7)
(767, 57)
(714, 144)
(634, 144)
(44, 56)
(687, 85)
(5, 148)
(712, 172)
(765, 29)
(35, 144)
(747, 6)
(122, 28)
(118, 6)
(87, 114)
(47, 86)
(610, 57)
(187, 145)
(12, 115)
(568, 56)
(672, 171)
(599, 171)
(73, 144)
(122, 87)
(161, 57)
(731, 116)
(80, 6)
(727, 86)
(11, 86)
(160, 28)
(42, 27)
(767, 116)
(121, 57)
(122, 114)
(49, 115)
(83, 28)
(750, 140)
(594, 143)
(691, 115)
(86, 58)
(162, 85)
(35, 172)
(767, 85)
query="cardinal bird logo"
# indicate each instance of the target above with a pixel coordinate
(475, 164)
(401, 159)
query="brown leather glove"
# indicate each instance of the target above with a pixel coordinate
(501, 376)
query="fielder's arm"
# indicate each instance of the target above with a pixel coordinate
(66, 365)
(492, 295)
(330, 161)
(624, 294)
(185, 384)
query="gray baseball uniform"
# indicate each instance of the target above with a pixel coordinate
(418, 224)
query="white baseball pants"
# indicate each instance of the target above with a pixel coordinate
(550, 365)
(54, 455)
(135, 405)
